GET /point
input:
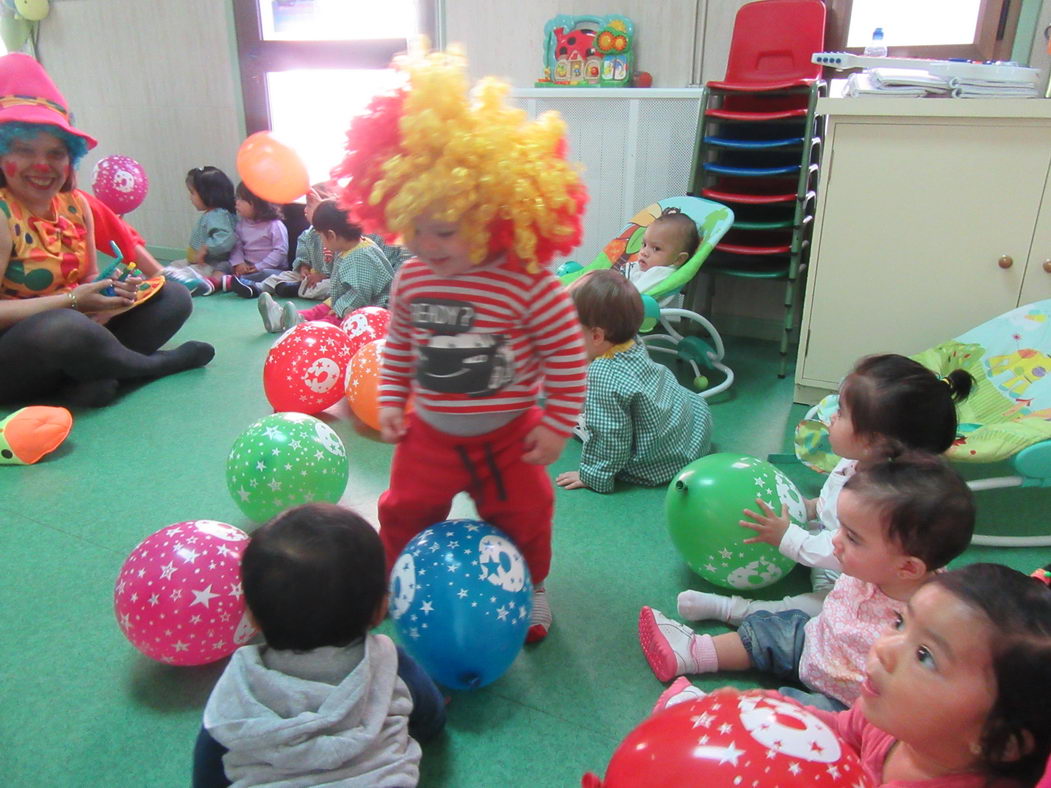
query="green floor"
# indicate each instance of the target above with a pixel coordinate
(79, 706)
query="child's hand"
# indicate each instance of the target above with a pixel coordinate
(811, 508)
(392, 424)
(570, 480)
(769, 528)
(314, 277)
(202, 253)
(542, 446)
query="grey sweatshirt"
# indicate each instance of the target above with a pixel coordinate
(332, 716)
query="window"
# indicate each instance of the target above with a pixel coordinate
(935, 29)
(308, 66)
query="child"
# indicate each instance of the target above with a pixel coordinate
(900, 520)
(954, 693)
(640, 425)
(885, 403)
(213, 237)
(669, 241)
(361, 274)
(322, 701)
(312, 266)
(261, 249)
(483, 199)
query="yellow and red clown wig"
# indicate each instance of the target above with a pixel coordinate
(467, 158)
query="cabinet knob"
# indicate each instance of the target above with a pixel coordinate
(1006, 261)
(1047, 266)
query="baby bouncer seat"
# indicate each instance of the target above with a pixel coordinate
(1006, 418)
(712, 220)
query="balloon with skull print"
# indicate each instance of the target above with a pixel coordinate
(461, 597)
(754, 739)
(284, 460)
(305, 368)
(121, 185)
(178, 597)
(704, 507)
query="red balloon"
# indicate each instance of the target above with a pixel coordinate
(754, 739)
(120, 183)
(305, 367)
(365, 325)
(271, 169)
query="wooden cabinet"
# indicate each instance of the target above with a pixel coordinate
(933, 216)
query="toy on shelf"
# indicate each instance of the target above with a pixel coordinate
(588, 51)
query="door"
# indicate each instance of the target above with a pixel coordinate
(309, 66)
(916, 219)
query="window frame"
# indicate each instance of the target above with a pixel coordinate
(256, 56)
(994, 35)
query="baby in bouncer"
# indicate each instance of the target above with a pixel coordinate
(669, 241)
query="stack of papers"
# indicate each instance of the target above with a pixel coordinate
(918, 83)
(992, 88)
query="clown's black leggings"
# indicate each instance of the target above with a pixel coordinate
(45, 353)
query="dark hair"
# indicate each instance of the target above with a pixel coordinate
(262, 211)
(1018, 609)
(926, 506)
(212, 186)
(892, 399)
(686, 226)
(314, 576)
(606, 299)
(329, 217)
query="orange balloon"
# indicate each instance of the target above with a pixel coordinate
(363, 383)
(271, 169)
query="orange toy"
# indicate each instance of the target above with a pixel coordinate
(30, 433)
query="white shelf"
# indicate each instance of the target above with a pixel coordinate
(1015, 108)
(592, 93)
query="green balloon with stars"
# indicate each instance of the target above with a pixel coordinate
(704, 508)
(284, 460)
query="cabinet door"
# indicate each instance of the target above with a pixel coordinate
(915, 219)
(1037, 283)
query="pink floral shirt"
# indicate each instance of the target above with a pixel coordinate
(838, 640)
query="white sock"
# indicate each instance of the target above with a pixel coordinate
(702, 606)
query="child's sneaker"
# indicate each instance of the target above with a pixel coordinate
(672, 648)
(186, 277)
(244, 287)
(540, 620)
(290, 315)
(679, 691)
(271, 313)
(286, 289)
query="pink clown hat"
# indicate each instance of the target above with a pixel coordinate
(28, 95)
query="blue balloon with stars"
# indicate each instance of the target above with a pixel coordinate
(460, 597)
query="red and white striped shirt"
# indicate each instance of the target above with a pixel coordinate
(484, 342)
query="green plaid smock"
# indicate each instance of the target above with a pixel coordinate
(311, 253)
(360, 277)
(641, 426)
(395, 254)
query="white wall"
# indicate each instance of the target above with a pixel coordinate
(154, 80)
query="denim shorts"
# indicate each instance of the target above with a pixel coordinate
(774, 642)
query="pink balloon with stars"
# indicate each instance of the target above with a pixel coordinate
(178, 597)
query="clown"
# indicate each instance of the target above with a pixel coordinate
(484, 198)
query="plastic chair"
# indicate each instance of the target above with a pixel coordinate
(771, 45)
(1007, 416)
(759, 146)
(713, 220)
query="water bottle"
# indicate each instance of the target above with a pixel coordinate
(876, 47)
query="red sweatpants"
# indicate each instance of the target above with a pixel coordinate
(430, 467)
